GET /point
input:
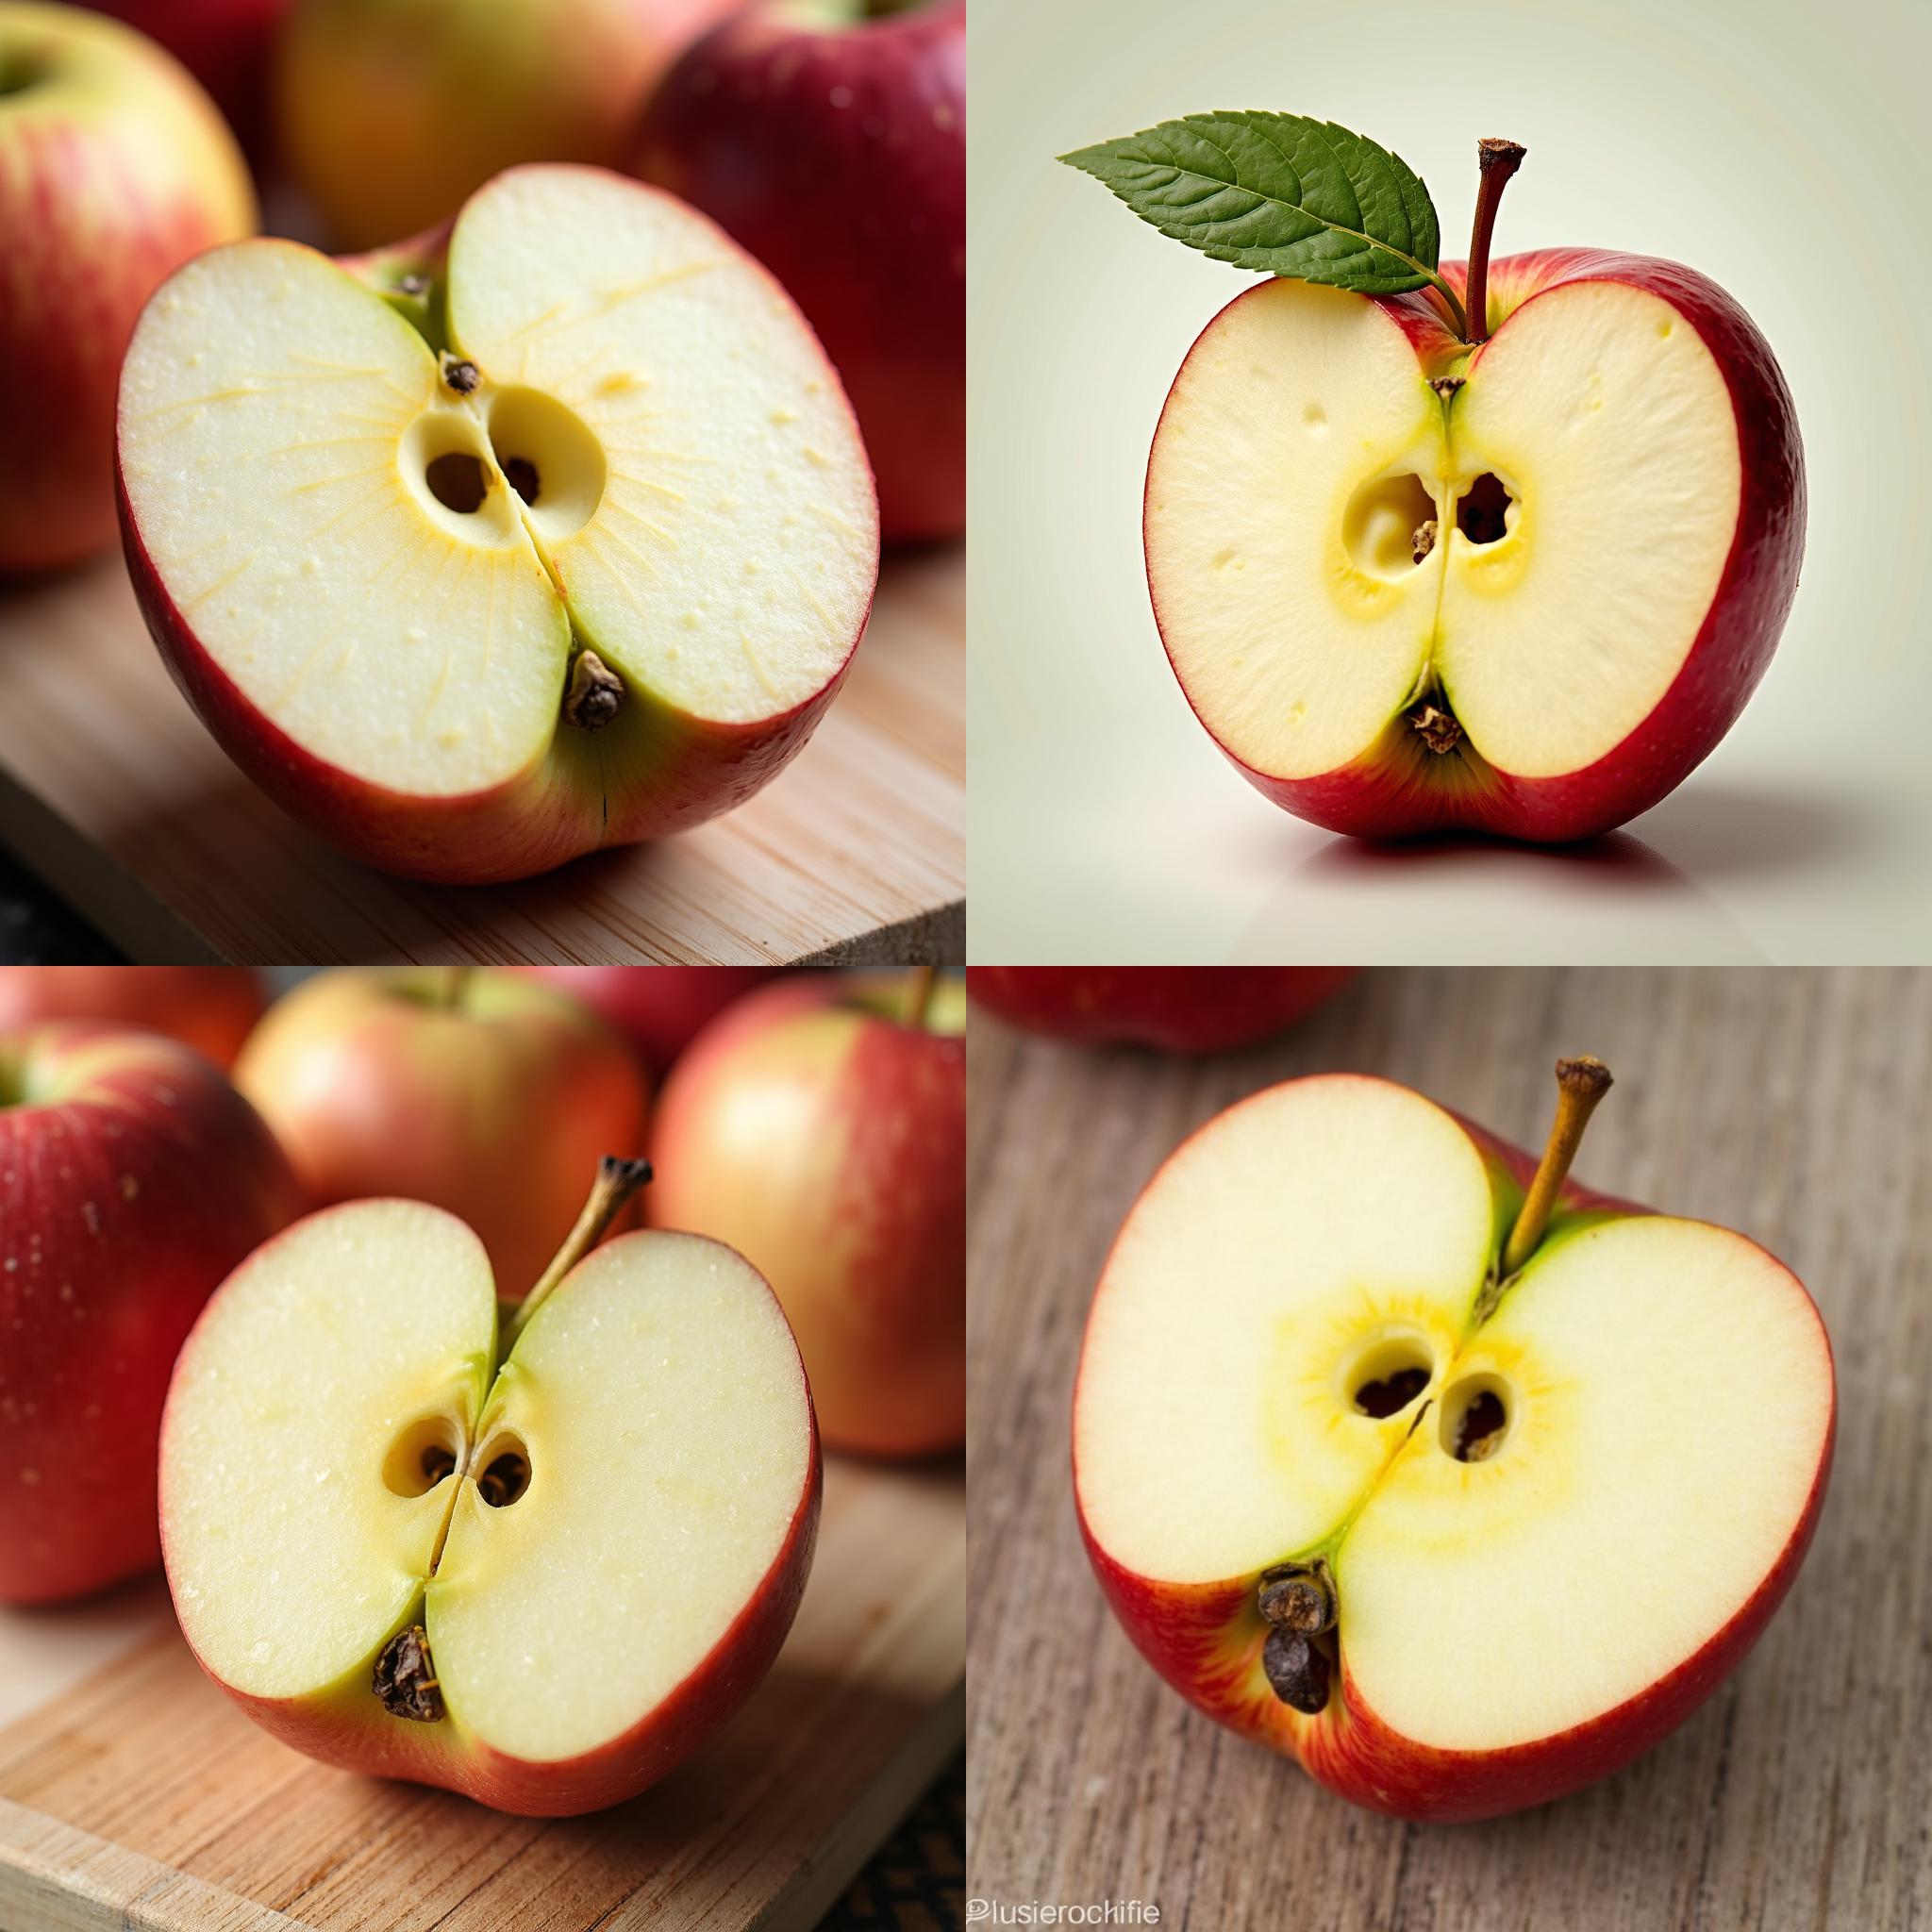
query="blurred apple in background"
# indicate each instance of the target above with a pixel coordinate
(482, 1093)
(391, 112)
(819, 1127)
(657, 1008)
(132, 1179)
(1174, 1009)
(224, 44)
(830, 139)
(115, 169)
(211, 1007)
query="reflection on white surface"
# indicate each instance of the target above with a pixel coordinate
(46, 1652)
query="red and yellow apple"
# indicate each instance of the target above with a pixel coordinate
(659, 1009)
(392, 112)
(1411, 586)
(132, 1179)
(820, 1129)
(830, 139)
(209, 1008)
(115, 169)
(1455, 1481)
(547, 532)
(1174, 1009)
(536, 1561)
(483, 1093)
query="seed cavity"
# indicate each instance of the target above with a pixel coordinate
(404, 1679)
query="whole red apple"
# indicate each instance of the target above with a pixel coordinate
(115, 169)
(1176, 1009)
(482, 1093)
(224, 44)
(132, 1179)
(819, 1127)
(659, 1009)
(211, 1007)
(831, 140)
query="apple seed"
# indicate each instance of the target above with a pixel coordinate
(1297, 1671)
(404, 1678)
(1299, 1597)
(596, 695)
(460, 373)
(1436, 728)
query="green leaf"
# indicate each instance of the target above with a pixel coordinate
(1278, 192)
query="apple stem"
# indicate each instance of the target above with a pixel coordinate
(919, 991)
(1496, 161)
(610, 1194)
(1580, 1083)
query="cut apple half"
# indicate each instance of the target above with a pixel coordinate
(1409, 586)
(1532, 1517)
(541, 1582)
(552, 533)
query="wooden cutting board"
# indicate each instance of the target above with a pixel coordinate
(132, 1792)
(114, 794)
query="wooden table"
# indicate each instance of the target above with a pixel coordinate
(1794, 1105)
(112, 793)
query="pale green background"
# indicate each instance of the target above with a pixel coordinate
(1781, 148)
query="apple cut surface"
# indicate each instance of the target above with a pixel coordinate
(1551, 1516)
(329, 1438)
(1409, 586)
(383, 571)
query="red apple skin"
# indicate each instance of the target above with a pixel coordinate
(356, 1734)
(653, 771)
(1205, 1641)
(132, 1180)
(1398, 789)
(659, 1009)
(1193, 1009)
(826, 1143)
(114, 169)
(224, 44)
(838, 159)
(212, 1008)
(494, 1108)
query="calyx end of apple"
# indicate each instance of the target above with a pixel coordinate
(404, 1679)
(594, 695)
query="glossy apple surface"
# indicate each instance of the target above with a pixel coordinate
(132, 1179)
(1400, 611)
(224, 44)
(659, 1009)
(562, 520)
(1302, 1299)
(822, 1136)
(393, 111)
(483, 1093)
(1175, 1009)
(115, 169)
(829, 137)
(589, 1538)
(209, 1008)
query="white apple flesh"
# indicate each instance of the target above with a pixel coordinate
(602, 1541)
(1303, 1320)
(590, 578)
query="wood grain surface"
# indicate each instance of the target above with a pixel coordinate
(1789, 1105)
(112, 793)
(133, 1793)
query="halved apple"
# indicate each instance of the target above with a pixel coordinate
(535, 1566)
(551, 532)
(1459, 1530)
(1409, 586)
